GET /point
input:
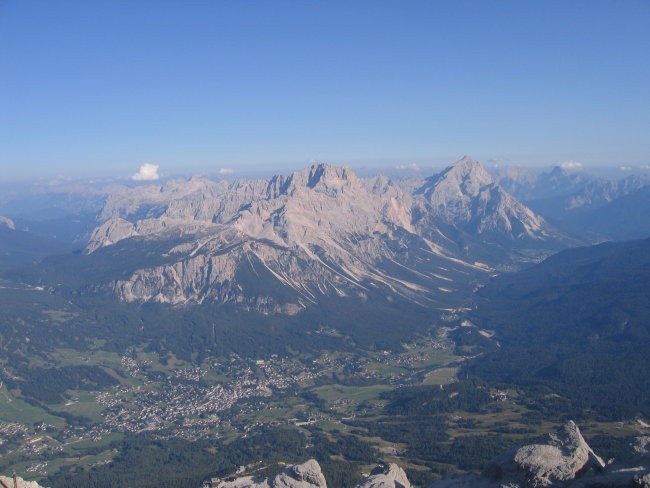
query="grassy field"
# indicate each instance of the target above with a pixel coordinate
(441, 376)
(14, 409)
(347, 398)
(84, 405)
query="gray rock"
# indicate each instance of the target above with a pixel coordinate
(8, 482)
(386, 476)
(565, 455)
(306, 475)
(309, 475)
(557, 463)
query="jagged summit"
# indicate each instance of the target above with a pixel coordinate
(466, 165)
(325, 178)
(327, 174)
(465, 177)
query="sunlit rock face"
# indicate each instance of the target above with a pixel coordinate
(281, 244)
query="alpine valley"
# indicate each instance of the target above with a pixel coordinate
(302, 329)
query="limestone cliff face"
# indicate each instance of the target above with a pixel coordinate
(320, 231)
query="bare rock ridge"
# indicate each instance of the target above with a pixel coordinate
(306, 475)
(309, 475)
(322, 231)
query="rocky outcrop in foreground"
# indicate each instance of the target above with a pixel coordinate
(309, 475)
(565, 461)
(386, 476)
(7, 482)
(306, 475)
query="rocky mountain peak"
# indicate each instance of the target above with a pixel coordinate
(324, 178)
(468, 175)
(466, 163)
(463, 179)
(466, 195)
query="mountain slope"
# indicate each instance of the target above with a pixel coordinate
(19, 248)
(577, 324)
(623, 218)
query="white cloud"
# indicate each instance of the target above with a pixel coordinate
(626, 168)
(570, 165)
(409, 166)
(645, 166)
(226, 171)
(147, 172)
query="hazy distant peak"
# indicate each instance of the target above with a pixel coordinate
(468, 168)
(465, 177)
(323, 177)
(466, 161)
(326, 173)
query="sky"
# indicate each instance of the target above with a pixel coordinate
(103, 87)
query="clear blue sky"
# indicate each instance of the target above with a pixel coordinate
(108, 85)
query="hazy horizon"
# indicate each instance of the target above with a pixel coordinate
(408, 168)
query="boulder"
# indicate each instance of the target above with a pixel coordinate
(560, 460)
(8, 482)
(386, 476)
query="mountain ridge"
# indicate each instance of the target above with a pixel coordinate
(320, 230)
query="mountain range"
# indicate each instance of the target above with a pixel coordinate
(310, 289)
(278, 245)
